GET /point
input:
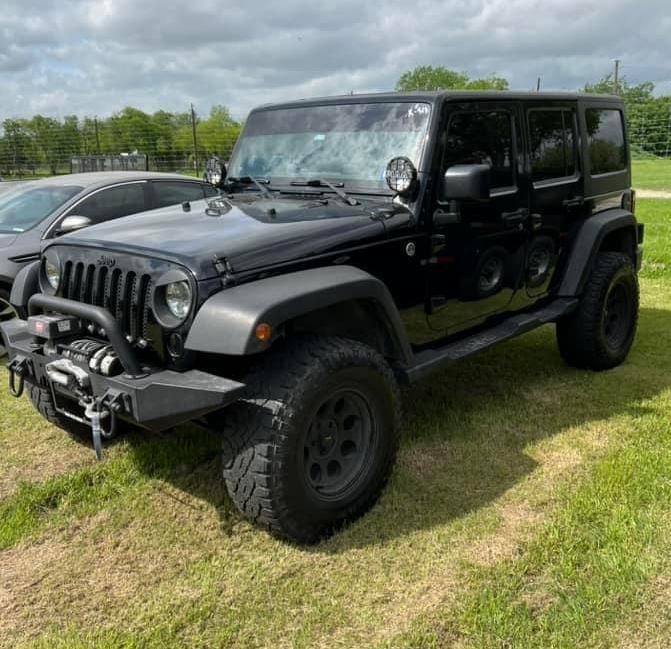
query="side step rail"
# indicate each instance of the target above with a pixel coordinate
(432, 359)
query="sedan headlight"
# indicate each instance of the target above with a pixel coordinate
(52, 272)
(178, 299)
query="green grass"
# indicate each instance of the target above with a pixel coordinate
(530, 507)
(656, 215)
(652, 174)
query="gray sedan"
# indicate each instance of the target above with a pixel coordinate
(33, 211)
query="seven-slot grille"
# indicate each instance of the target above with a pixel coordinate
(127, 295)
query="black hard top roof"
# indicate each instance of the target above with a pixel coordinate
(446, 95)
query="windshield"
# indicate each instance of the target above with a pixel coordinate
(24, 208)
(348, 143)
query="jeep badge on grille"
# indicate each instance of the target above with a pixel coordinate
(104, 260)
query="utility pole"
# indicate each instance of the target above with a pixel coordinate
(95, 125)
(616, 78)
(195, 142)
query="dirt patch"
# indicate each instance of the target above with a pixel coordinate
(98, 566)
(653, 193)
(651, 628)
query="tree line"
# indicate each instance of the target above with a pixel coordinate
(44, 145)
(648, 116)
(182, 141)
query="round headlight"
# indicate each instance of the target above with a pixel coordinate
(401, 175)
(52, 272)
(178, 298)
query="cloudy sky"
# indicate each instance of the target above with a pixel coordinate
(95, 56)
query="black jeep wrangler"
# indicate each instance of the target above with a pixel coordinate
(358, 243)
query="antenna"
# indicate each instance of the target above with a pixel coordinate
(616, 75)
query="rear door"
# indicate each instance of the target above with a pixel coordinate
(557, 183)
(476, 263)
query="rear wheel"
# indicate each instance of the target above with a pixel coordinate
(7, 312)
(314, 442)
(599, 333)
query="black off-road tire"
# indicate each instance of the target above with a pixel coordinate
(274, 438)
(599, 333)
(43, 402)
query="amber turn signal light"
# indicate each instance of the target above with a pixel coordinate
(263, 332)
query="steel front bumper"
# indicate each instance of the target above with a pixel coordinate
(156, 400)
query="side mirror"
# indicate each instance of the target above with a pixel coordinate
(72, 223)
(470, 182)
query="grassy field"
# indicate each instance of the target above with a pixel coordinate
(530, 507)
(652, 174)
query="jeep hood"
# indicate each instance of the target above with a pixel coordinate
(249, 234)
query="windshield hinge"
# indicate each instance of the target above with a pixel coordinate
(224, 268)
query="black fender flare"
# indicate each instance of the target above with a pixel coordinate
(26, 284)
(227, 321)
(588, 242)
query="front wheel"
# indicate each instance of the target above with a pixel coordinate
(599, 333)
(314, 442)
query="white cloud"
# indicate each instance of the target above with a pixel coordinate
(96, 56)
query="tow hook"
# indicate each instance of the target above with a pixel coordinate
(18, 368)
(94, 413)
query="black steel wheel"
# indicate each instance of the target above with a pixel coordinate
(314, 442)
(600, 332)
(617, 316)
(338, 443)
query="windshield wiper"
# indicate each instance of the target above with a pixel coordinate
(250, 180)
(318, 182)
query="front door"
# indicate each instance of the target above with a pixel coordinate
(477, 261)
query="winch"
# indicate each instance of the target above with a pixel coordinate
(99, 356)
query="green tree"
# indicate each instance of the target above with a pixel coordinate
(427, 77)
(218, 133)
(648, 117)
(45, 135)
(628, 92)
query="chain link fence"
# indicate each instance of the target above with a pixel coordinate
(131, 139)
(182, 142)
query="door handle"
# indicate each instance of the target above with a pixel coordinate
(577, 201)
(515, 218)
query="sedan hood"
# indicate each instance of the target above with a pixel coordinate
(7, 240)
(248, 233)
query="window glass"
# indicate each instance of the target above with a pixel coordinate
(482, 138)
(174, 192)
(569, 134)
(348, 143)
(551, 144)
(24, 206)
(113, 203)
(605, 134)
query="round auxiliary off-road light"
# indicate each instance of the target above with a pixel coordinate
(401, 176)
(214, 171)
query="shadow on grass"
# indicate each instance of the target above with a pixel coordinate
(465, 432)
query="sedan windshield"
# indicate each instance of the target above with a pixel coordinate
(25, 207)
(348, 143)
